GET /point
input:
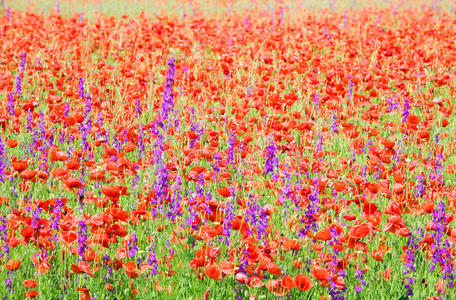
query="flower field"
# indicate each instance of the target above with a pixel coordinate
(225, 150)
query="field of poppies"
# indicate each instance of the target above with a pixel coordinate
(218, 150)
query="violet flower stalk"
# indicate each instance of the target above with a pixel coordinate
(272, 162)
(36, 219)
(406, 111)
(200, 186)
(10, 104)
(161, 183)
(256, 216)
(334, 123)
(81, 87)
(138, 109)
(216, 164)
(132, 245)
(152, 261)
(319, 145)
(413, 244)
(18, 86)
(441, 255)
(231, 144)
(350, 89)
(82, 239)
(4, 237)
(359, 274)
(312, 211)
(316, 101)
(334, 292)
(420, 188)
(55, 218)
(23, 61)
(3, 160)
(168, 97)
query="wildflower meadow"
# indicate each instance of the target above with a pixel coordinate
(227, 149)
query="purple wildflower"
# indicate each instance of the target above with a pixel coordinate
(18, 86)
(312, 210)
(132, 245)
(152, 261)
(256, 216)
(406, 111)
(272, 162)
(216, 164)
(334, 292)
(420, 188)
(4, 237)
(231, 145)
(36, 219)
(316, 101)
(350, 89)
(81, 87)
(441, 255)
(10, 104)
(82, 239)
(413, 244)
(3, 160)
(23, 61)
(334, 123)
(168, 97)
(138, 108)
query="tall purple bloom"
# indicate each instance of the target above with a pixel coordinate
(419, 190)
(10, 104)
(82, 239)
(168, 96)
(350, 89)
(441, 255)
(23, 61)
(132, 245)
(413, 244)
(18, 86)
(3, 160)
(138, 109)
(152, 261)
(272, 162)
(231, 144)
(312, 210)
(334, 292)
(4, 237)
(81, 87)
(334, 123)
(406, 111)
(257, 217)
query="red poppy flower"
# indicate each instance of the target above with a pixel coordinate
(13, 265)
(31, 294)
(303, 282)
(359, 231)
(224, 192)
(30, 283)
(213, 272)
